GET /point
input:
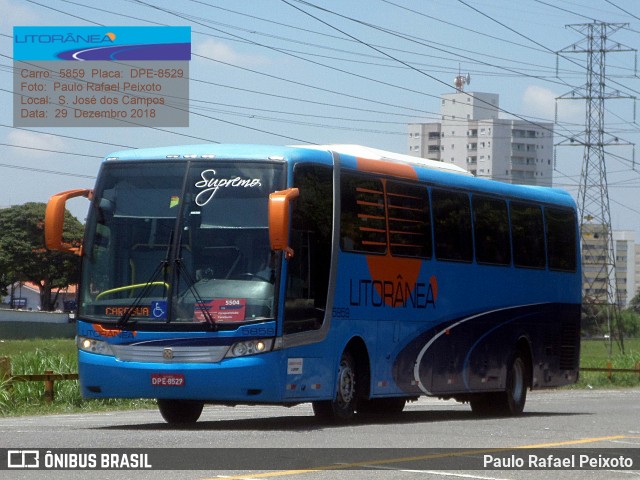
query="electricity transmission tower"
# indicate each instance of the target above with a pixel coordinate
(599, 284)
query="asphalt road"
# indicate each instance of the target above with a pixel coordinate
(556, 420)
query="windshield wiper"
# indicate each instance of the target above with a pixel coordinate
(128, 312)
(172, 259)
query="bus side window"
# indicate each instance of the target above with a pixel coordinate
(409, 220)
(491, 231)
(452, 226)
(561, 239)
(363, 225)
(527, 233)
(311, 236)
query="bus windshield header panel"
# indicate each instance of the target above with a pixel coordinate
(181, 243)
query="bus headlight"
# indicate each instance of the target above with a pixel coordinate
(250, 347)
(93, 346)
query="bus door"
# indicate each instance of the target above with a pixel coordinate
(308, 369)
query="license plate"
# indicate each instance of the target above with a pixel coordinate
(167, 380)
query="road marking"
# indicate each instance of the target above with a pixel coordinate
(441, 473)
(375, 463)
(574, 442)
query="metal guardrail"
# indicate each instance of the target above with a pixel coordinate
(610, 370)
(48, 377)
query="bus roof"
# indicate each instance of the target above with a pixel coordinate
(376, 154)
(249, 151)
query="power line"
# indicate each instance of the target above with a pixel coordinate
(65, 13)
(564, 10)
(390, 56)
(519, 33)
(622, 9)
(260, 130)
(405, 89)
(253, 31)
(187, 16)
(42, 170)
(51, 151)
(66, 136)
(500, 39)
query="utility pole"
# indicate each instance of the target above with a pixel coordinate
(599, 284)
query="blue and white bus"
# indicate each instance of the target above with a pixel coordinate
(348, 277)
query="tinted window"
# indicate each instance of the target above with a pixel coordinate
(491, 231)
(452, 225)
(561, 239)
(409, 221)
(527, 231)
(363, 226)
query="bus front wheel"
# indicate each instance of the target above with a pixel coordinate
(180, 411)
(342, 407)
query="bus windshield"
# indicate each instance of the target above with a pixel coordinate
(181, 242)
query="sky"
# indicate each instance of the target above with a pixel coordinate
(341, 71)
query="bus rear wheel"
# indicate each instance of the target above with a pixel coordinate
(511, 401)
(342, 408)
(180, 411)
(516, 392)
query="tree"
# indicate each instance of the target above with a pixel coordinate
(634, 304)
(24, 258)
(631, 322)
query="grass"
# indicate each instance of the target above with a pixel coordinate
(29, 357)
(595, 354)
(59, 355)
(62, 346)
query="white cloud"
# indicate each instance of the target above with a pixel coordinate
(541, 103)
(223, 52)
(34, 141)
(15, 14)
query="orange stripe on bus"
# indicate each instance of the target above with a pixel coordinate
(386, 168)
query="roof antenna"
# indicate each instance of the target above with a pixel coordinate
(461, 80)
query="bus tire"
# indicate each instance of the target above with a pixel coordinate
(343, 406)
(380, 406)
(511, 401)
(516, 391)
(180, 411)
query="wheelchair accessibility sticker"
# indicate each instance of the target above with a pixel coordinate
(159, 310)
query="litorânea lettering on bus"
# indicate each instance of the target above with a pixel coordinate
(367, 292)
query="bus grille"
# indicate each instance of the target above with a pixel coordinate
(156, 354)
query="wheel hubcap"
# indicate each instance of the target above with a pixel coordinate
(346, 383)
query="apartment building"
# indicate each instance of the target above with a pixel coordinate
(470, 135)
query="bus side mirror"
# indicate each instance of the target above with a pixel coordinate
(279, 207)
(54, 220)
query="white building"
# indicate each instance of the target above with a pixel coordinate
(625, 248)
(470, 135)
(26, 296)
(637, 269)
(627, 263)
